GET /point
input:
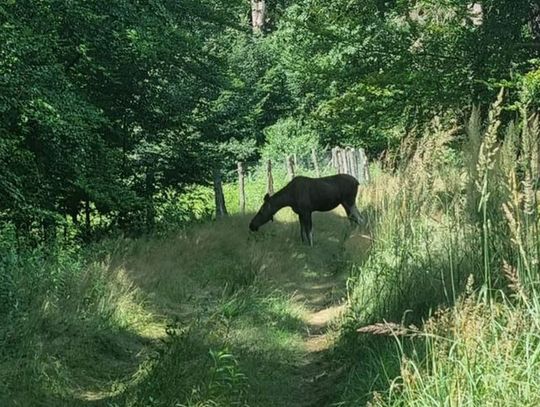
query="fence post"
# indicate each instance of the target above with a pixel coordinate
(354, 162)
(242, 192)
(335, 160)
(363, 170)
(350, 162)
(315, 162)
(344, 161)
(339, 161)
(290, 166)
(347, 160)
(269, 178)
(221, 210)
(358, 164)
(366, 167)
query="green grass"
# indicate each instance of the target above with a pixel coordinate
(447, 303)
(440, 295)
(66, 324)
(208, 315)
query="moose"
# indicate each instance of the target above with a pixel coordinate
(306, 195)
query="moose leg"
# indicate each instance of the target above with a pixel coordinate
(309, 229)
(355, 215)
(302, 228)
(305, 221)
(352, 213)
(306, 228)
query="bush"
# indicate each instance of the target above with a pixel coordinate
(176, 210)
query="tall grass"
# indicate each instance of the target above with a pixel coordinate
(446, 309)
(208, 315)
(61, 317)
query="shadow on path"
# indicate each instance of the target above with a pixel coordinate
(266, 298)
(320, 286)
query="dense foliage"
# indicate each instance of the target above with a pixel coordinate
(104, 104)
(117, 116)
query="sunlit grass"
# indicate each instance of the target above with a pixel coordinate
(439, 222)
(128, 324)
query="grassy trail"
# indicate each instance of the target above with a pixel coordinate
(266, 299)
(315, 384)
(211, 316)
(321, 296)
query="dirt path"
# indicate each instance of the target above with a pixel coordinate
(279, 324)
(321, 289)
(315, 386)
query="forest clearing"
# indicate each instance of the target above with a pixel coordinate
(150, 257)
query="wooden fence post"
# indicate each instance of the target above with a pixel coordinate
(315, 162)
(350, 160)
(241, 184)
(221, 209)
(339, 161)
(344, 162)
(269, 178)
(366, 167)
(363, 170)
(290, 166)
(347, 160)
(360, 165)
(354, 163)
(335, 160)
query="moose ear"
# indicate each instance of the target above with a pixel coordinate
(266, 197)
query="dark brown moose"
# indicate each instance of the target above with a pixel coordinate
(307, 195)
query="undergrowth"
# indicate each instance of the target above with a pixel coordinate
(191, 318)
(444, 311)
(454, 271)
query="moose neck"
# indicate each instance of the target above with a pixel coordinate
(281, 199)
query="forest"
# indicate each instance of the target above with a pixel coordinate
(122, 126)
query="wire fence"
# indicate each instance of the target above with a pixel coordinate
(269, 175)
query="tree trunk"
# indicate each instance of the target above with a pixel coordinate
(149, 192)
(315, 162)
(66, 227)
(75, 218)
(242, 192)
(87, 219)
(269, 178)
(221, 209)
(534, 21)
(87, 214)
(49, 229)
(258, 14)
